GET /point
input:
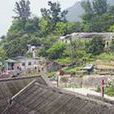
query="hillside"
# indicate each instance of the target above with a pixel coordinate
(75, 12)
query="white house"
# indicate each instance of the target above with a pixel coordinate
(26, 63)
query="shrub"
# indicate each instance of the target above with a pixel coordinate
(96, 45)
(56, 51)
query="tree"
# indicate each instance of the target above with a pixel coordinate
(23, 31)
(67, 28)
(3, 37)
(97, 17)
(32, 25)
(22, 9)
(111, 9)
(86, 5)
(16, 47)
(2, 54)
(53, 15)
(100, 6)
(88, 16)
(63, 16)
(111, 28)
(56, 51)
(101, 23)
(96, 45)
(44, 27)
(16, 29)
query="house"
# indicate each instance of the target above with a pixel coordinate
(26, 63)
(10, 64)
(40, 98)
(108, 37)
(10, 87)
(13, 67)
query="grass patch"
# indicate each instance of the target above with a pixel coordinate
(51, 74)
(64, 60)
(110, 91)
(106, 57)
(71, 69)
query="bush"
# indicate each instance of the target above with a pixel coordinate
(109, 90)
(56, 51)
(96, 45)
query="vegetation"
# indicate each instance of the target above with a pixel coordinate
(98, 16)
(45, 31)
(96, 45)
(22, 9)
(36, 31)
(56, 51)
(109, 89)
(106, 57)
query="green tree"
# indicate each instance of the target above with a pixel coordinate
(44, 27)
(47, 43)
(111, 28)
(56, 51)
(16, 29)
(53, 15)
(22, 9)
(100, 6)
(16, 47)
(67, 28)
(86, 5)
(102, 23)
(96, 45)
(87, 16)
(111, 9)
(32, 25)
(97, 17)
(2, 54)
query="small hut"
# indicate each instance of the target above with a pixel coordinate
(10, 64)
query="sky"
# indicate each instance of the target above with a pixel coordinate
(7, 6)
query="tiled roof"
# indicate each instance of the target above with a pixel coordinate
(38, 98)
(9, 87)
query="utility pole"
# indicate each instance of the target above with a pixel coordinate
(102, 88)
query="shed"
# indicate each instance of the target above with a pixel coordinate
(10, 63)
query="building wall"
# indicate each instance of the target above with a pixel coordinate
(28, 64)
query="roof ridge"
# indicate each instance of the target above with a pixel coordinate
(29, 85)
(18, 78)
(22, 90)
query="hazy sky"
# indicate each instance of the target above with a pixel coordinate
(7, 6)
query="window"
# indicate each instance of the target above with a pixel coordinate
(23, 64)
(29, 63)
